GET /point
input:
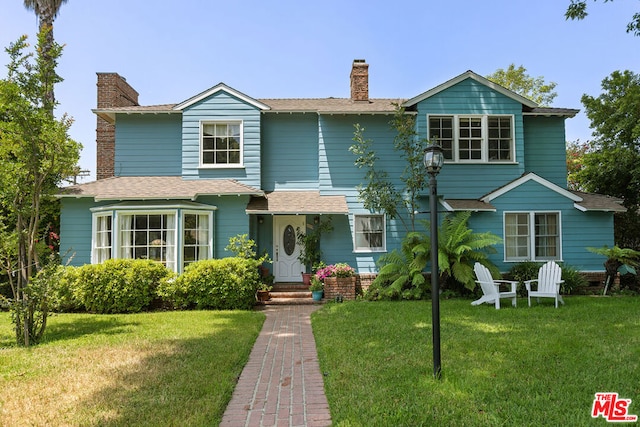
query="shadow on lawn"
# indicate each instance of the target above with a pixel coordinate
(177, 381)
(77, 327)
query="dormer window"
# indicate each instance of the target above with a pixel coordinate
(474, 138)
(221, 144)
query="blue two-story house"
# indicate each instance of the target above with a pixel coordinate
(176, 181)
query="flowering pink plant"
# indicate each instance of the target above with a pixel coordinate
(340, 269)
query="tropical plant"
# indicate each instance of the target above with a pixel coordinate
(400, 273)
(459, 248)
(616, 258)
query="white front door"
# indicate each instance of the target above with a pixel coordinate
(286, 266)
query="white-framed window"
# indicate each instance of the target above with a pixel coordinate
(369, 233)
(102, 237)
(148, 235)
(221, 143)
(474, 138)
(175, 236)
(532, 236)
(196, 243)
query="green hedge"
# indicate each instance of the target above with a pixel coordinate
(222, 284)
(119, 285)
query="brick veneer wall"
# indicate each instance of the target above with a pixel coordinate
(113, 91)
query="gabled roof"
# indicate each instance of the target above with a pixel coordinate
(526, 178)
(297, 202)
(471, 75)
(581, 201)
(221, 87)
(157, 188)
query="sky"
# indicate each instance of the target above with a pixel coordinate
(169, 51)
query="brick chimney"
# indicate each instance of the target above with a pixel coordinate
(360, 80)
(113, 91)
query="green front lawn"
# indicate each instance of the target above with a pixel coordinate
(149, 369)
(525, 366)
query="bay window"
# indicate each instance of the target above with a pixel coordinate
(174, 237)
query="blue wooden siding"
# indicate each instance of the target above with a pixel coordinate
(545, 152)
(289, 151)
(579, 229)
(148, 145)
(470, 97)
(230, 220)
(222, 106)
(75, 230)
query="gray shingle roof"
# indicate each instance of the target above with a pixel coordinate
(158, 188)
(599, 202)
(297, 202)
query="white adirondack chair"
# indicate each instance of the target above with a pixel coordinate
(548, 283)
(491, 287)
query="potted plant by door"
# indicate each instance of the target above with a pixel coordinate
(316, 288)
(309, 241)
(263, 293)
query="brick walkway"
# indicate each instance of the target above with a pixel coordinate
(281, 385)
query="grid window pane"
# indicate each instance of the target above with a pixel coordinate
(500, 141)
(221, 144)
(145, 236)
(196, 238)
(441, 132)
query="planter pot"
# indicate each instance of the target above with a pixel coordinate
(306, 279)
(263, 296)
(317, 295)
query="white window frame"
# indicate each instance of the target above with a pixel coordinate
(532, 236)
(182, 227)
(368, 249)
(170, 262)
(484, 136)
(201, 149)
(96, 247)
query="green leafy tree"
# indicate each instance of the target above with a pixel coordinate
(36, 153)
(577, 9)
(379, 193)
(575, 163)
(518, 81)
(611, 164)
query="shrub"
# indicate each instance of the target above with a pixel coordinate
(119, 285)
(62, 296)
(222, 284)
(528, 270)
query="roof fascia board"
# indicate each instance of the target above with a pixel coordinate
(526, 178)
(470, 75)
(221, 87)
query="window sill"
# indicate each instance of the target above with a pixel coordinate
(213, 167)
(369, 251)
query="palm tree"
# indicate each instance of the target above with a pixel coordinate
(46, 11)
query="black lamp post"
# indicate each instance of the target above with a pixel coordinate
(433, 160)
